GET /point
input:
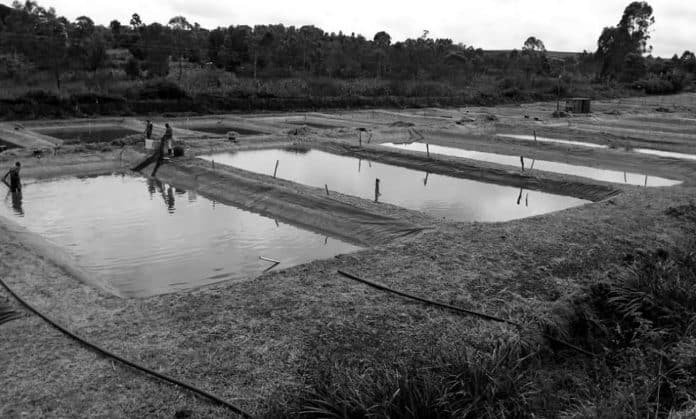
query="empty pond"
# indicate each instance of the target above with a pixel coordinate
(551, 140)
(224, 129)
(437, 195)
(549, 166)
(313, 124)
(89, 135)
(146, 238)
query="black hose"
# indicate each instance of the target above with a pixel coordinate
(131, 364)
(462, 311)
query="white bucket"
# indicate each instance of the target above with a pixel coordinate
(151, 144)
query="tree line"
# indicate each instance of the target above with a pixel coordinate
(51, 42)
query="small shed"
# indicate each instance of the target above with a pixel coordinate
(578, 105)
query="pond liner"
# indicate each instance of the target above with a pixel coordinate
(314, 212)
(105, 352)
(461, 169)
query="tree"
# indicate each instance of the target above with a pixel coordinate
(382, 41)
(180, 25)
(135, 22)
(534, 45)
(132, 68)
(630, 36)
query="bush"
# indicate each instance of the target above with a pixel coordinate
(178, 151)
(162, 89)
(133, 68)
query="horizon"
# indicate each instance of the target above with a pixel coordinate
(521, 20)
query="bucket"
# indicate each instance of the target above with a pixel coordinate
(151, 144)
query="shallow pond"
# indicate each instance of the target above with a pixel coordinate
(437, 195)
(147, 238)
(548, 166)
(551, 140)
(661, 153)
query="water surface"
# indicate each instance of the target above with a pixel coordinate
(147, 238)
(530, 164)
(437, 195)
(551, 140)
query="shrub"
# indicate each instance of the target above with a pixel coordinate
(162, 89)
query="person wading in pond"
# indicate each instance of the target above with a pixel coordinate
(168, 135)
(15, 183)
(158, 155)
(148, 130)
(165, 141)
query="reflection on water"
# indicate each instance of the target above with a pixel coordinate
(437, 195)
(550, 140)
(661, 153)
(15, 200)
(141, 238)
(526, 163)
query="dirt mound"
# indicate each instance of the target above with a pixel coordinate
(300, 131)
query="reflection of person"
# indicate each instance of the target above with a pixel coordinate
(15, 184)
(170, 200)
(17, 203)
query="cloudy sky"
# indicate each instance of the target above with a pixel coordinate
(563, 25)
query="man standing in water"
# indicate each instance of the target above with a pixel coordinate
(168, 134)
(166, 140)
(15, 184)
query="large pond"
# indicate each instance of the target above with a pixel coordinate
(437, 195)
(530, 164)
(147, 238)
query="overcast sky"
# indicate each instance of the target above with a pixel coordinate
(563, 25)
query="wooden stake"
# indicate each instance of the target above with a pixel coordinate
(213, 161)
(360, 138)
(427, 149)
(327, 189)
(522, 162)
(535, 136)
(276, 169)
(377, 194)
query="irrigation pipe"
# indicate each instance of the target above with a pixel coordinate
(131, 364)
(461, 311)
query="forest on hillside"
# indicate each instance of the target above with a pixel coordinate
(47, 57)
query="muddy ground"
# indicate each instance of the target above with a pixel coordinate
(251, 341)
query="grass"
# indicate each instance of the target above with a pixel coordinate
(640, 320)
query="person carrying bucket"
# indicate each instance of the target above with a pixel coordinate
(15, 184)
